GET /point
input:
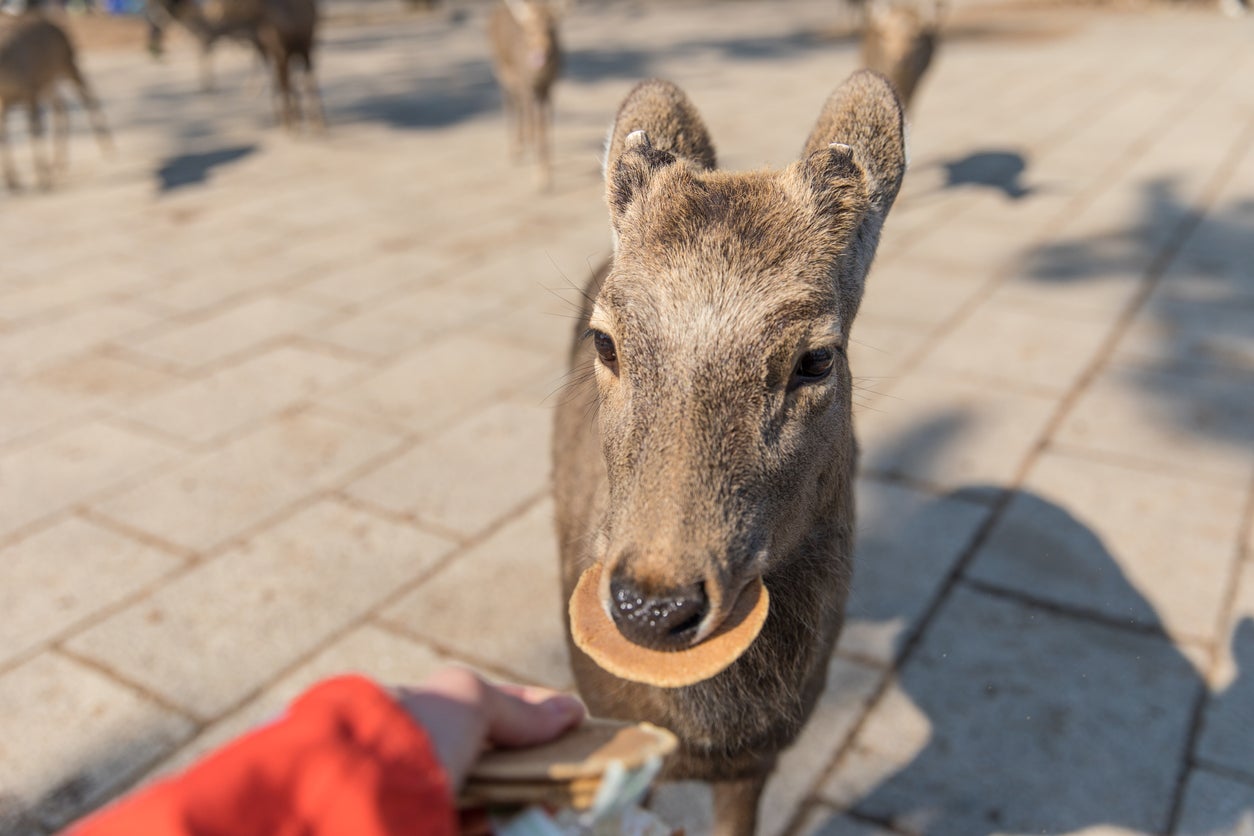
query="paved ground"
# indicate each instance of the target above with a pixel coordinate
(273, 407)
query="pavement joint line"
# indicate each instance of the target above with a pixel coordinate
(369, 615)
(189, 556)
(408, 518)
(449, 653)
(990, 493)
(1224, 771)
(1077, 613)
(914, 637)
(1129, 461)
(56, 643)
(1099, 184)
(152, 696)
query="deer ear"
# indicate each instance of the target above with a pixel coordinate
(854, 161)
(865, 115)
(655, 127)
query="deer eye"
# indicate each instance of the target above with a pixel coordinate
(606, 350)
(813, 366)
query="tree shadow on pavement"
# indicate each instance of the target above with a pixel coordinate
(1021, 708)
(1198, 323)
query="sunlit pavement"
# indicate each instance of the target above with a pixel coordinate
(276, 407)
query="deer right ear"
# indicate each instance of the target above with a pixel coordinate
(865, 114)
(656, 126)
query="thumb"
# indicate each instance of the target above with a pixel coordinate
(527, 717)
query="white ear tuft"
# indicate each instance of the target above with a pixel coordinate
(636, 139)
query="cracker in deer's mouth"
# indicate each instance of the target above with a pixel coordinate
(596, 635)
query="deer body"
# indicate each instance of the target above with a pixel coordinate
(526, 59)
(710, 437)
(35, 54)
(283, 33)
(899, 42)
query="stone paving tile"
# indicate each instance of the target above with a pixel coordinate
(1178, 333)
(825, 821)
(908, 543)
(75, 289)
(487, 465)
(1224, 739)
(1013, 719)
(428, 388)
(368, 650)
(220, 495)
(357, 284)
(1216, 805)
(849, 688)
(236, 396)
(1133, 546)
(1198, 423)
(403, 322)
(195, 641)
(1019, 348)
(950, 432)
(244, 326)
(54, 474)
(28, 410)
(499, 603)
(24, 351)
(911, 290)
(1071, 290)
(110, 377)
(49, 766)
(61, 575)
(880, 347)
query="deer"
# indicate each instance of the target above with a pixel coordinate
(899, 42)
(282, 32)
(526, 60)
(707, 439)
(36, 54)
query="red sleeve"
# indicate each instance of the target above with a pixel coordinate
(345, 759)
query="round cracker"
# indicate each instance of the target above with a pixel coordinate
(582, 753)
(596, 635)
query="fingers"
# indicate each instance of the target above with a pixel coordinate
(528, 716)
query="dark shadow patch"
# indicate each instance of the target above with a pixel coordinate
(191, 169)
(1000, 170)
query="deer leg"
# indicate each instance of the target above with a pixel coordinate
(43, 174)
(544, 113)
(60, 134)
(313, 97)
(513, 119)
(736, 806)
(283, 75)
(10, 171)
(94, 113)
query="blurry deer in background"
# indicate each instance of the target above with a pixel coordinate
(898, 41)
(526, 59)
(35, 54)
(282, 32)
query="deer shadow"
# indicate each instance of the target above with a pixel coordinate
(1018, 708)
(194, 168)
(999, 170)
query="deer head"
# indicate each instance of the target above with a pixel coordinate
(717, 342)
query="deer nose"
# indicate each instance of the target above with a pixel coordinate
(662, 621)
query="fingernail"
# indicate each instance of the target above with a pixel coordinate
(565, 707)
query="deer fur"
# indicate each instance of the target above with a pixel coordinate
(899, 42)
(35, 54)
(693, 457)
(283, 33)
(526, 59)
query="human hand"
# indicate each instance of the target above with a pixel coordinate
(462, 715)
